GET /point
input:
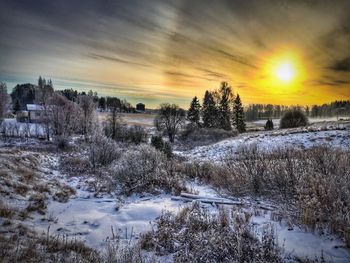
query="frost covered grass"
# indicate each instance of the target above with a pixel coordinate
(26, 246)
(195, 235)
(315, 183)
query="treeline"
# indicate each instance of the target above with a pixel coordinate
(266, 111)
(23, 94)
(334, 109)
(103, 103)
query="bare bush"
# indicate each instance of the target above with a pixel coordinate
(195, 235)
(103, 150)
(144, 169)
(161, 145)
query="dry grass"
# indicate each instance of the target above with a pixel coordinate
(139, 119)
(315, 183)
(27, 247)
(195, 235)
(64, 194)
(6, 211)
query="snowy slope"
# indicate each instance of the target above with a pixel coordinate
(268, 142)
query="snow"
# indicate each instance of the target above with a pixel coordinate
(268, 141)
(301, 243)
(22, 129)
(34, 107)
(92, 219)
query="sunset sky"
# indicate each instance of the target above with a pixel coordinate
(277, 51)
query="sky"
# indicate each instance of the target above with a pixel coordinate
(269, 51)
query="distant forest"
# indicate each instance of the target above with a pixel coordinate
(23, 94)
(266, 111)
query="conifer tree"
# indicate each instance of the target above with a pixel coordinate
(193, 114)
(209, 110)
(238, 115)
(269, 125)
(225, 97)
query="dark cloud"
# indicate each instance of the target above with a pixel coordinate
(341, 65)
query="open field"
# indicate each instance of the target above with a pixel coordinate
(141, 119)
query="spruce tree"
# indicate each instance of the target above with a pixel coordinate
(238, 115)
(209, 110)
(194, 111)
(225, 97)
(269, 125)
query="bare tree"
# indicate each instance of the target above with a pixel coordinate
(88, 106)
(170, 119)
(114, 122)
(4, 100)
(64, 116)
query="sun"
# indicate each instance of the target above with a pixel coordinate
(282, 71)
(285, 71)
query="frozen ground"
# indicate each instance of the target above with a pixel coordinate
(92, 219)
(268, 141)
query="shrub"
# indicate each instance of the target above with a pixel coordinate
(61, 142)
(123, 133)
(194, 136)
(269, 125)
(161, 145)
(135, 134)
(293, 119)
(103, 150)
(143, 169)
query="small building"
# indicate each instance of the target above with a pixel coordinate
(35, 112)
(140, 107)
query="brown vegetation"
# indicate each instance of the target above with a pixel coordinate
(315, 182)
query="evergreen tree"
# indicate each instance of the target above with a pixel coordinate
(17, 106)
(209, 110)
(238, 115)
(269, 125)
(40, 82)
(307, 111)
(225, 97)
(193, 114)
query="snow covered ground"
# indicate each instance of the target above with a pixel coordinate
(92, 220)
(268, 141)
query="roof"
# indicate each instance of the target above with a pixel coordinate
(34, 107)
